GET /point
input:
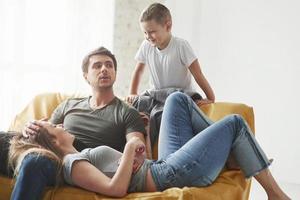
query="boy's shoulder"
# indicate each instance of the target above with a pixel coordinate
(179, 40)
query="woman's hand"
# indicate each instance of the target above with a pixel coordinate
(139, 157)
(136, 144)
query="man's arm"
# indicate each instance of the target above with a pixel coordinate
(135, 124)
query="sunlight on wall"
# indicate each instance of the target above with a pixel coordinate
(43, 44)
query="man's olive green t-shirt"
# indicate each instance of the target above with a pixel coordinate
(94, 127)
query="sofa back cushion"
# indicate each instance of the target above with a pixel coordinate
(43, 105)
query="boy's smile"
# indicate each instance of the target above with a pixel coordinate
(157, 34)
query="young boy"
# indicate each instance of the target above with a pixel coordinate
(171, 60)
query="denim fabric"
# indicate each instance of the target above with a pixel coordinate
(193, 150)
(36, 172)
(182, 120)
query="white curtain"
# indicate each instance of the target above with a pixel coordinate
(42, 44)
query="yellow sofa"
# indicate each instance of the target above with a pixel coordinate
(230, 185)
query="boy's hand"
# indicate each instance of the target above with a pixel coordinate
(130, 98)
(32, 127)
(203, 102)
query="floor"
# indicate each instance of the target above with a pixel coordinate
(257, 193)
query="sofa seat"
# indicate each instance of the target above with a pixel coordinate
(231, 184)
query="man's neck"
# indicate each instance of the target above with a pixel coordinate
(101, 98)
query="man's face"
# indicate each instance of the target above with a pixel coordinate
(101, 72)
(157, 34)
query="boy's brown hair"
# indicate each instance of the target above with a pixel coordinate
(157, 12)
(98, 51)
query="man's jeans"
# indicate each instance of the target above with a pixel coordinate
(193, 150)
(36, 172)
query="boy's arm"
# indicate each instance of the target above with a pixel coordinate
(136, 77)
(135, 81)
(201, 81)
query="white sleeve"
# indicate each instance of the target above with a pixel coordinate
(140, 55)
(187, 54)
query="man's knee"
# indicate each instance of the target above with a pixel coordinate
(34, 165)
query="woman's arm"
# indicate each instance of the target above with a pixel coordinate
(87, 176)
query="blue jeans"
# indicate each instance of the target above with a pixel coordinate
(193, 150)
(36, 172)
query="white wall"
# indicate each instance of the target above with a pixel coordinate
(42, 44)
(250, 53)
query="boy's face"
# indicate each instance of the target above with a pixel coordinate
(157, 34)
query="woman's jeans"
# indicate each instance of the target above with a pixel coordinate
(193, 150)
(36, 172)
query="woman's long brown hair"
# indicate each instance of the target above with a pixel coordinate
(41, 144)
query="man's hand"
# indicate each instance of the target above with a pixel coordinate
(32, 127)
(130, 98)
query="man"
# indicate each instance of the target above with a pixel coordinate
(101, 119)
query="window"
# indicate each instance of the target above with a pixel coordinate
(43, 44)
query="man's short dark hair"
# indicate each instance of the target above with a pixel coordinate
(98, 51)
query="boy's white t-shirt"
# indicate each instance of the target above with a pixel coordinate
(168, 67)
